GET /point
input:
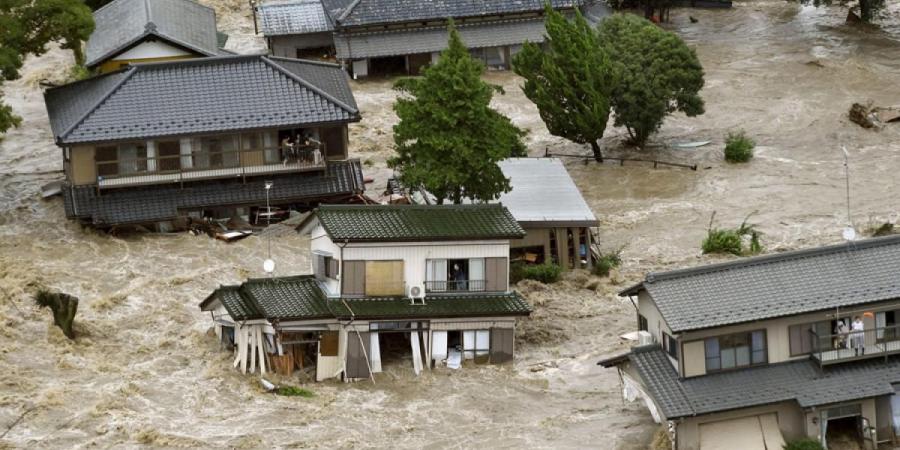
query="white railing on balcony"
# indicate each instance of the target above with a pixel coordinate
(206, 165)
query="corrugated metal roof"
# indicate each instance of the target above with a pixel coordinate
(199, 96)
(163, 202)
(543, 191)
(368, 12)
(122, 23)
(800, 381)
(434, 39)
(776, 285)
(299, 17)
(401, 223)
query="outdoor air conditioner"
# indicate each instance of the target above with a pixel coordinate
(645, 338)
(416, 294)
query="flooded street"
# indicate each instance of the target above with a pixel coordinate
(145, 369)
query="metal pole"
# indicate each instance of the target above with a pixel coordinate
(847, 179)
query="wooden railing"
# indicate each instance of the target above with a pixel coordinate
(853, 345)
(207, 165)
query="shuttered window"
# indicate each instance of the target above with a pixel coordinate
(353, 281)
(328, 343)
(495, 274)
(384, 278)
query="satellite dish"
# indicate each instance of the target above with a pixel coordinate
(269, 266)
(849, 234)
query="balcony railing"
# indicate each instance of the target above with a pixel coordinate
(854, 345)
(455, 286)
(206, 165)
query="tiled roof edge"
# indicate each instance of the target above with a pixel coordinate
(129, 73)
(312, 87)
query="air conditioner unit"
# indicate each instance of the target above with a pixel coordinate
(416, 294)
(645, 338)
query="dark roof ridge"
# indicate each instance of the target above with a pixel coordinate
(766, 259)
(128, 74)
(309, 85)
(304, 61)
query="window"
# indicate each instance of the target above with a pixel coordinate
(122, 159)
(802, 339)
(450, 275)
(735, 350)
(325, 266)
(216, 152)
(643, 325)
(106, 159)
(670, 345)
(477, 345)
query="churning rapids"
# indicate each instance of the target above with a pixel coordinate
(145, 371)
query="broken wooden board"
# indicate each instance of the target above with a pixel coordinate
(51, 189)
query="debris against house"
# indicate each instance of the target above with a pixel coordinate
(231, 236)
(869, 116)
(51, 189)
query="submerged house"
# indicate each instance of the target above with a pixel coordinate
(140, 31)
(403, 36)
(548, 205)
(151, 143)
(752, 353)
(389, 283)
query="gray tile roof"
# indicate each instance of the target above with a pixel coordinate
(347, 13)
(434, 39)
(301, 297)
(299, 17)
(200, 96)
(123, 23)
(402, 223)
(163, 202)
(800, 381)
(544, 193)
(776, 285)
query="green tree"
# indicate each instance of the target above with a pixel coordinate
(659, 74)
(449, 140)
(27, 26)
(571, 81)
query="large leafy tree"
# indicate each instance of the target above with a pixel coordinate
(449, 140)
(659, 74)
(571, 81)
(27, 26)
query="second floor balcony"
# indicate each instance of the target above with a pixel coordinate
(855, 345)
(205, 165)
(451, 286)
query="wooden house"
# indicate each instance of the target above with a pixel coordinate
(390, 283)
(754, 353)
(153, 142)
(402, 36)
(141, 31)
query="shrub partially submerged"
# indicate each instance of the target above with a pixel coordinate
(545, 273)
(804, 444)
(732, 240)
(607, 262)
(293, 391)
(63, 306)
(738, 147)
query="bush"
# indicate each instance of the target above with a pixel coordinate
(731, 241)
(63, 307)
(607, 262)
(738, 147)
(293, 391)
(804, 444)
(545, 273)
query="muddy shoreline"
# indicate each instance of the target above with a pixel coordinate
(146, 372)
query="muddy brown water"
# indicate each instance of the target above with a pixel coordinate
(146, 372)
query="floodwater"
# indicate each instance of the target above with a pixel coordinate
(145, 370)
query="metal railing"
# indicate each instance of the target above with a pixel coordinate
(840, 347)
(207, 165)
(455, 286)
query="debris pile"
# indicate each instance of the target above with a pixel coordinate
(868, 116)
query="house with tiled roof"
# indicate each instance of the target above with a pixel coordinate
(760, 351)
(141, 31)
(154, 142)
(415, 287)
(403, 36)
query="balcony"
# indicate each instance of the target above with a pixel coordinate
(855, 345)
(455, 286)
(206, 166)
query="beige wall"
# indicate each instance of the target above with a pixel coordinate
(83, 170)
(777, 336)
(790, 421)
(534, 237)
(655, 322)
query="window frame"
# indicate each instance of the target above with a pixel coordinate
(718, 339)
(670, 345)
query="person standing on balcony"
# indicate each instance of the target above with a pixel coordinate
(840, 334)
(858, 337)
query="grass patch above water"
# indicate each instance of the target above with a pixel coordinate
(294, 391)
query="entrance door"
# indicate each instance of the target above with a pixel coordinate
(357, 364)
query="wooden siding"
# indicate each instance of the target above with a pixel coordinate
(384, 278)
(353, 278)
(496, 274)
(502, 343)
(111, 65)
(81, 164)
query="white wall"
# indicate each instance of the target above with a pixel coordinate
(151, 49)
(320, 243)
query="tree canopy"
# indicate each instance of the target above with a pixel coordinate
(27, 26)
(658, 74)
(571, 81)
(449, 140)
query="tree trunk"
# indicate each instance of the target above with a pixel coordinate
(598, 155)
(865, 10)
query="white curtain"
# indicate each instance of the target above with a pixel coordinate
(476, 274)
(469, 344)
(416, 353)
(186, 161)
(482, 342)
(436, 274)
(151, 156)
(438, 346)
(374, 352)
(880, 323)
(271, 152)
